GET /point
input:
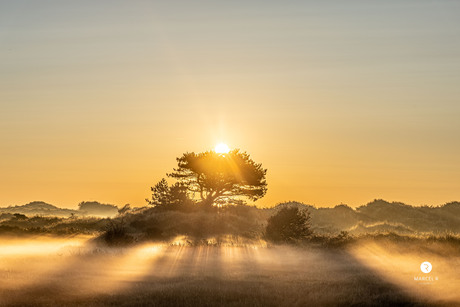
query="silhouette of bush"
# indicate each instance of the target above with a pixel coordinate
(19, 216)
(161, 224)
(116, 234)
(289, 225)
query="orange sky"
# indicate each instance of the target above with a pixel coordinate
(341, 102)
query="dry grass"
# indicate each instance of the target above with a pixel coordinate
(178, 275)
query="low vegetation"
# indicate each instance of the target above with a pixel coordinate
(164, 223)
(288, 225)
(189, 255)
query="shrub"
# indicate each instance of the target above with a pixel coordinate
(20, 216)
(116, 234)
(289, 225)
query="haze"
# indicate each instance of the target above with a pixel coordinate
(341, 103)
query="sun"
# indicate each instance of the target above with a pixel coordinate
(221, 148)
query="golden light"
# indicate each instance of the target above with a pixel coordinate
(222, 148)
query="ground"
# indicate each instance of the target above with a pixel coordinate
(73, 272)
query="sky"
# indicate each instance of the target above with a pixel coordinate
(342, 101)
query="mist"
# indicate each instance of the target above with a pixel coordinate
(76, 270)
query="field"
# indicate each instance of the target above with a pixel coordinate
(74, 271)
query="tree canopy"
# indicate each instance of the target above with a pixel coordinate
(221, 178)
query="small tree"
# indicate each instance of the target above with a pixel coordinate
(172, 197)
(289, 225)
(220, 179)
(178, 195)
(160, 194)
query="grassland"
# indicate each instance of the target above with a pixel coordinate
(73, 271)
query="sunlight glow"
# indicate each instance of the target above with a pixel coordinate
(400, 267)
(222, 148)
(39, 246)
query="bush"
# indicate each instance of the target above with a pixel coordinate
(20, 216)
(117, 234)
(289, 225)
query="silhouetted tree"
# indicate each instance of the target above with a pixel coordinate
(221, 178)
(288, 225)
(178, 194)
(174, 197)
(161, 194)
